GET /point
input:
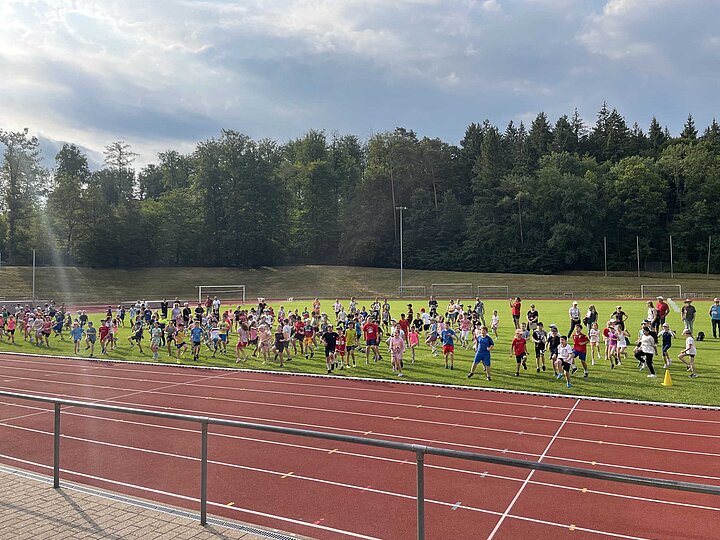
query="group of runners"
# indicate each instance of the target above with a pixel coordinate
(354, 330)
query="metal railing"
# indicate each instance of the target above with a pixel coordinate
(420, 452)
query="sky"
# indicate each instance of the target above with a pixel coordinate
(165, 74)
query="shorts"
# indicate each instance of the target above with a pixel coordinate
(195, 343)
(329, 350)
(11, 332)
(371, 342)
(426, 327)
(76, 340)
(281, 345)
(307, 341)
(155, 341)
(580, 355)
(351, 347)
(448, 349)
(223, 338)
(516, 318)
(553, 352)
(566, 366)
(180, 345)
(519, 358)
(92, 339)
(482, 357)
(539, 351)
(241, 344)
(340, 351)
(666, 348)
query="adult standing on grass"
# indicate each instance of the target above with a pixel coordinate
(715, 317)
(652, 314)
(574, 314)
(479, 310)
(591, 317)
(662, 309)
(687, 313)
(515, 307)
(483, 345)
(619, 316)
(689, 352)
(646, 350)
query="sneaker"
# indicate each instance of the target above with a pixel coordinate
(451, 367)
(524, 365)
(574, 369)
(558, 376)
(446, 366)
(469, 375)
(488, 378)
(569, 385)
(400, 374)
(543, 368)
(612, 366)
(642, 366)
(652, 376)
(693, 375)
(669, 361)
(593, 362)
(517, 374)
(538, 370)
(329, 371)
(585, 375)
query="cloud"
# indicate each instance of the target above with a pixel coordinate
(168, 73)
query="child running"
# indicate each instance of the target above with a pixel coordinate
(666, 336)
(76, 334)
(594, 336)
(414, 341)
(397, 348)
(518, 349)
(494, 323)
(689, 352)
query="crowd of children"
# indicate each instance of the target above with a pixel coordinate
(261, 332)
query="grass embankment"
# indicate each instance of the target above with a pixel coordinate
(74, 285)
(624, 383)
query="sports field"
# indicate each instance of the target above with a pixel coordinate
(626, 382)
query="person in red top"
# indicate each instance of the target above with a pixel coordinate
(580, 343)
(370, 331)
(104, 332)
(518, 347)
(404, 325)
(515, 306)
(298, 336)
(662, 310)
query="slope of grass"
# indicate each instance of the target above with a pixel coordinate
(624, 383)
(75, 285)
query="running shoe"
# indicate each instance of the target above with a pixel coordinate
(652, 376)
(569, 385)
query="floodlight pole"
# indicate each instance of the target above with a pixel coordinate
(672, 273)
(605, 246)
(709, 246)
(401, 208)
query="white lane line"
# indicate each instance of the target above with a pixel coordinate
(529, 476)
(290, 520)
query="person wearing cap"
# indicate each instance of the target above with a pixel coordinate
(646, 350)
(532, 318)
(687, 314)
(714, 313)
(565, 360)
(689, 352)
(574, 313)
(666, 336)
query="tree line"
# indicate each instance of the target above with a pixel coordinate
(538, 199)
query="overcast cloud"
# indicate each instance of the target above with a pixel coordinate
(165, 74)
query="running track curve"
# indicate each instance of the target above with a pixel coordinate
(323, 489)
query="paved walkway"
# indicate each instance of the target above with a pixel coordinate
(31, 509)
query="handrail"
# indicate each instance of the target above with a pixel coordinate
(419, 450)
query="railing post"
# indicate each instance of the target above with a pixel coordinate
(56, 448)
(420, 465)
(203, 473)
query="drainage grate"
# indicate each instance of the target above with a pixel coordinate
(146, 505)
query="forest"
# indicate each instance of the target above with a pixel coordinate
(541, 198)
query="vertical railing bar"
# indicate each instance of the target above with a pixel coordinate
(56, 448)
(420, 465)
(203, 473)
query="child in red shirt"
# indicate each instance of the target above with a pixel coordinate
(518, 347)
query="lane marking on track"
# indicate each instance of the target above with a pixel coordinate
(231, 504)
(456, 505)
(290, 520)
(529, 476)
(319, 521)
(287, 474)
(333, 451)
(571, 527)
(584, 490)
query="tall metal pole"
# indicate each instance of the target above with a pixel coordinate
(709, 245)
(401, 208)
(672, 273)
(605, 246)
(33, 277)
(637, 249)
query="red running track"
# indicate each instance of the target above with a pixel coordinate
(329, 490)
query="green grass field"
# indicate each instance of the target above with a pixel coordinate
(624, 383)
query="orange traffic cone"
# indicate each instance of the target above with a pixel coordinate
(668, 379)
